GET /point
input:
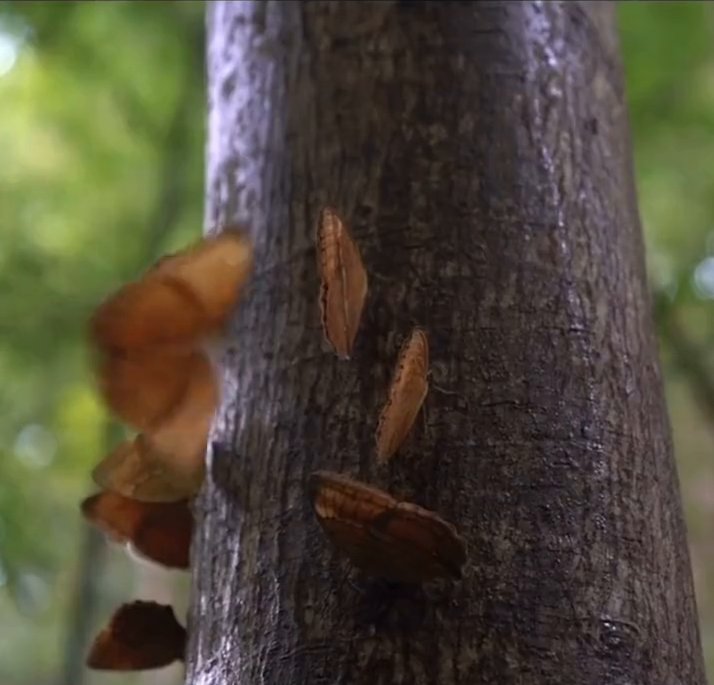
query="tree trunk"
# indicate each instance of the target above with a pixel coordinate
(480, 153)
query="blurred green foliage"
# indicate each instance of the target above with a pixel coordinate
(101, 132)
(101, 139)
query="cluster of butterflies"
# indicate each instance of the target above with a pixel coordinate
(384, 537)
(153, 340)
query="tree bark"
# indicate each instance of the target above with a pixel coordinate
(480, 153)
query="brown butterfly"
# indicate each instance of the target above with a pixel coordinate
(160, 532)
(136, 470)
(182, 299)
(149, 388)
(140, 635)
(397, 541)
(343, 285)
(406, 395)
(150, 337)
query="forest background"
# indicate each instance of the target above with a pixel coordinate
(102, 130)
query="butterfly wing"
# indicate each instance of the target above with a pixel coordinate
(160, 532)
(183, 298)
(343, 286)
(140, 635)
(134, 469)
(407, 392)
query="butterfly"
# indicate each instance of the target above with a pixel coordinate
(160, 532)
(140, 635)
(183, 298)
(136, 470)
(407, 392)
(397, 541)
(343, 286)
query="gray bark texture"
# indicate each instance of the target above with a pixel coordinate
(480, 154)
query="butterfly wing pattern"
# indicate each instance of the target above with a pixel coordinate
(343, 287)
(407, 392)
(394, 540)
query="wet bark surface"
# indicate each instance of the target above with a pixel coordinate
(480, 153)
